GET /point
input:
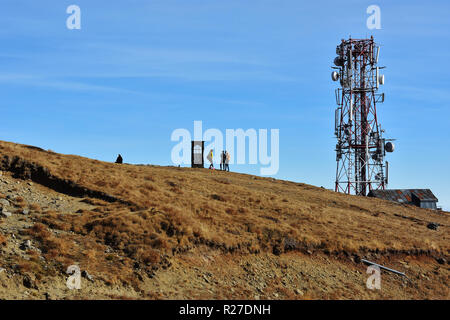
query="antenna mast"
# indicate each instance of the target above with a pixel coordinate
(360, 148)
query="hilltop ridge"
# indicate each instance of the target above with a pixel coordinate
(142, 231)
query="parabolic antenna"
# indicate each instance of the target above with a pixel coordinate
(389, 147)
(334, 76)
(339, 61)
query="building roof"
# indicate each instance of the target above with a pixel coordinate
(404, 195)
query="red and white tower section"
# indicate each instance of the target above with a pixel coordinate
(361, 148)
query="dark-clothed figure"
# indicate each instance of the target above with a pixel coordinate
(119, 159)
(222, 160)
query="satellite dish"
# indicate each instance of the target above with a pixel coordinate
(381, 79)
(389, 147)
(339, 61)
(334, 76)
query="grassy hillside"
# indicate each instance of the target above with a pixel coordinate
(133, 226)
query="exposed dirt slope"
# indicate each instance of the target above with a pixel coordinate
(166, 232)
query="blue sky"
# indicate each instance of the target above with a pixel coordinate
(137, 70)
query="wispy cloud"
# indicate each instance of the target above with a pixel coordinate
(77, 86)
(117, 61)
(139, 54)
(41, 81)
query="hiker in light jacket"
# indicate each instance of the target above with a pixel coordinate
(210, 159)
(227, 161)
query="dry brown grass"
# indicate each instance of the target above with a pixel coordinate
(183, 207)
(233, 208)
(35, 207)
(51, 246)
(3, 240)
(20, 202)
(65, 250)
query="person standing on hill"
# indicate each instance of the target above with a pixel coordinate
(227, 161)
(119, 159)
(222, 160)
(210, 158)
